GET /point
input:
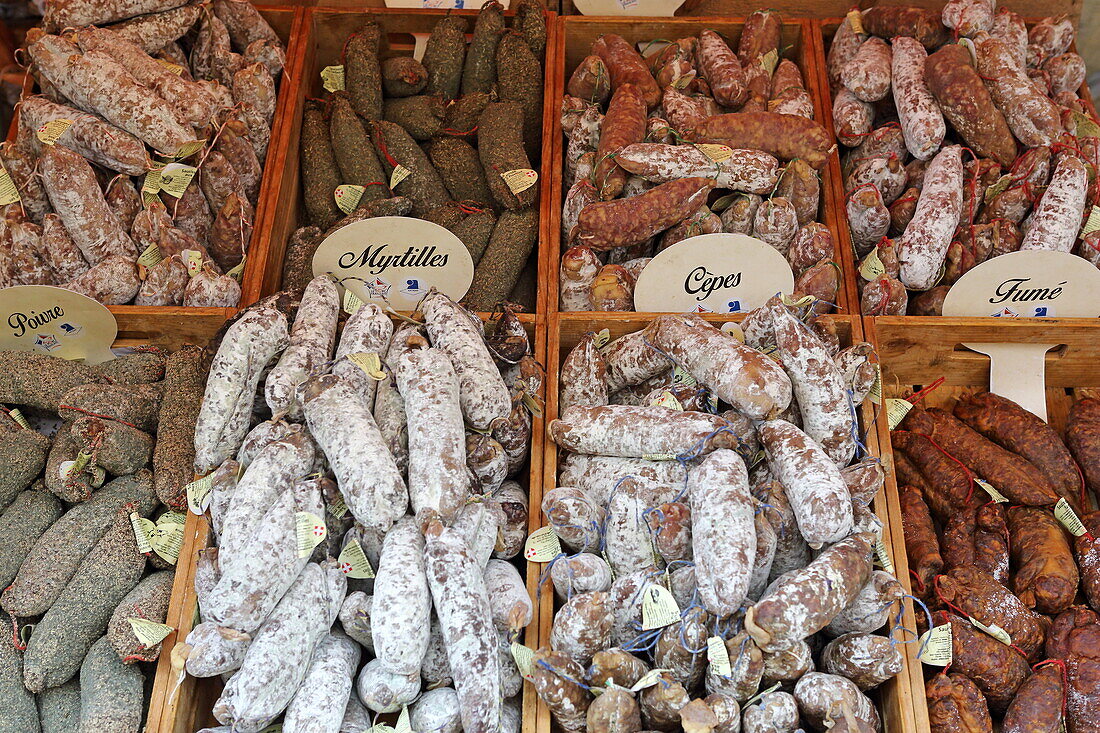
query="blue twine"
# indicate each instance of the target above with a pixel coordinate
(897, 623)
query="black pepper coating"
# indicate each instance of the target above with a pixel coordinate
(500, 267)
(362, 73)
(320, 174)
(444, 55)
(480, 72)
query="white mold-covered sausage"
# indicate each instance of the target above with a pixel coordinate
(622, 430)
(311, 339)
(401, 610)
(1057, 217)
(321, 699)
(920, 117)
(923, 247)
(367, 331)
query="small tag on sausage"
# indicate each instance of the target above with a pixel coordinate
(770, 60)
(718, 656)
(348, 197)
(167, 538)
(9, 194)
(238, 271)
(332, 78)
(193, 259)
(353, 561)
(993, 493)
(896, 410)
(524, 657)
(198, 494)
(150, 187)
(735, 330)
(176, 177)
(934, 646)
(143, 532)
(871, 267)
(531, 402)
(1069, 519)
(648, 679)
(188, 149)
(1093, 222)
(172, 68)
(149, 633)
(875, 393)
(667, 399)
(1085, 125)
(998, 187)
(309, 530)
(542, 546)
(659, 456)
(855, 19)
(602, 338)
(370, 363)
(520, 179)
(351, 302)
(338, 508)
(399, 174)
(16, 415)
(717, 153)
(883, 556)
(150, 256)
(993, 630)
(659, 608)
(683, 378)
(52, 131)
(403, 725)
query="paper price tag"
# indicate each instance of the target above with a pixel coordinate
(667, 399)
(150, 255)
(993, 493)
(172, 68)
(403, 725)
(176, 177)
(188, 149)
(16, 415)
(524, 657)
(309, 530)
(338, 508)
(993, 630)
(658, 607)
(193, 259)
(237, 271)
(936, 645)
(332, 78)
(871, 267)
(167, 539)
(883, 556)
(380, 728)
(717, 153)
(520, 179)
(1085, 125)
(770, 60)
(353, 561)
(149, 633)
(1093, 222)
(351, 302)
(542, 546)
(875, 394)
(150, 187)
(399, 174)
(348, 197)
(648, 679)
(896, 410)
(683, 378)
(602, 338)
(370, 363)
(143, 532)
(198, 494)
(52, 131)
(718, 656)
(9, 194)
(1069, 519)
(855, 19)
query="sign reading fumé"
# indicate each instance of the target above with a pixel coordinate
(396, 260)
(713, 273)
(1027, 284)
(57, 322)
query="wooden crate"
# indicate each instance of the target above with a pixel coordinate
(574, 39)
(895, 698)
(834, 8)
(287, 23)
(824, 32)
(916, 352)
(325, 31)
(182, 704)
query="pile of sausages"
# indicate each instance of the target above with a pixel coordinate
(717, 565)
(137, 167)
(373, 510)
(965, 140)
(654, 136)
(1020, 591)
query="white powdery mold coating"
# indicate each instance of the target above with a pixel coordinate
(438, 479)
(583, 377)
(626, 604)
(577, 520)
(482, 392)
(597, 475)
(322, 697)
(1057, 216)
(814, 487)
(402, 605)
(870, 609)
(274, 470)
(437, 711)
(76, 13)
(465, 617)
(311, 339)
(88, 136)
(637, 432)
(247, 347)
(478, 523)
(580, 573)
(557, 680)
(775, 712)
(582, 626)
(215, 650)
(828, 415)
(253, 581)
(579, 265)
(749, 381)
(822, 696)
(751, 171)
(280, 653)
(923, 247)
(631, 359)
(866, 659)
(1031, 115)
(627, 540)
(343, 426)
(921, 120)
(367, 331)
(802, 602)
(508, 597)
(722, 530)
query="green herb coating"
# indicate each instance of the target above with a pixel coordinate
(362, 74)
(475, 231)
(38, 380)
(423, 184)
(519, 79)
(480, 72)
(18, 713)
(459, 166)
(444, 55)
(320, 174)
(355, 156)
(298, 259)
(498, 271)
(421, 116)
(500, 146)
(174, 454)
(403, 76)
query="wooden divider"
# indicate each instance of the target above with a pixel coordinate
(574, 40)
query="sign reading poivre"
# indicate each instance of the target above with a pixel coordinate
(56, 321)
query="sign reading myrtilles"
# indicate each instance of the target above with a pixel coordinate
(395, 260)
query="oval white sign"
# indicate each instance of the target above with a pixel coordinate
(57, 322)
(1027, 284)
(712, 273)
(396, 260)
